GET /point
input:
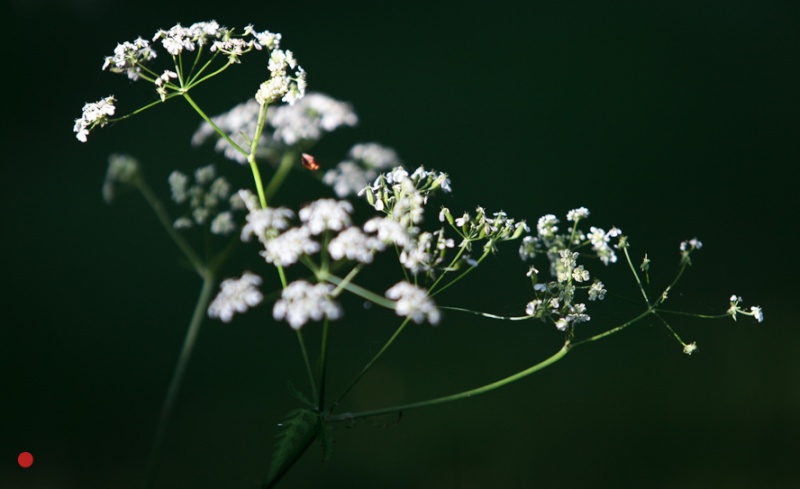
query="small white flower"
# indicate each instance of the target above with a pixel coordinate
(600, 239)
(236, 295)
(310, 118)
(388, 231)
(94, 114)
(122, 170)
(758, 313)
(413, 302)
(532, 307)
(223, 223)
(546, 227)
(691, 244)
(577, 214)
(301, 301)
(263, 223)
(129, 57)
(325, 214)
(580, 274)
(690, 348)
(178, 183)
(353, 244)
(596, 291)
(183, 223)
(287, 248)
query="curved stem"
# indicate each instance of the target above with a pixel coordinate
(486, 314)
(455, 397)
(177, 376)
(280, 175)
(614, 330)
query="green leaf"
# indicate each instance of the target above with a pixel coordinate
(299, 396)
(298, 423)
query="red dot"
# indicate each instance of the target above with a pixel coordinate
(25, 460)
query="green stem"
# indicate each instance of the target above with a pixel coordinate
(262, 198)
(694, 315)
(251, 158)
(285, 167)
(177, 376)
(455, 397)
(216, 128)
(370, 363)
(615, 330)
(486, 314)
(323, 364)
(361, 292)
(635, 275)
(486, 252)
(165, 221)
(309, 370)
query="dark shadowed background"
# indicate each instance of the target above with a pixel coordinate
(668, 119)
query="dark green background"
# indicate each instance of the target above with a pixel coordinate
(668, 119)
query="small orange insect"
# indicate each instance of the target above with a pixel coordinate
(309, 162)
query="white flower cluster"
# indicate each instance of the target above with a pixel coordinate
(264, 224)
(306, 121)
(123, 170)
(205, 197)
(177, 39)
(687, 248)
(413, 302)
(555, 300)
(301, 302)
(94, 114)
(284, 246)
(129, 57)
(549, 241)
(364, 162)
(287, 81)
(310, 118)
(236, 295)
(402, 197)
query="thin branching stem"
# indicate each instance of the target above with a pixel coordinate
(309, 370)
(177, 377)
(635, 275)
(370, 363)
(166, 222)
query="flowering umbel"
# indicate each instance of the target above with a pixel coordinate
(135, 59)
